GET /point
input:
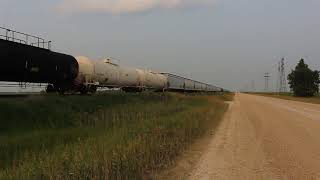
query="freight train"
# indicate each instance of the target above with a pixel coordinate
(26, 61)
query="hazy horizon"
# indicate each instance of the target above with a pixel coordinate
(221, 42)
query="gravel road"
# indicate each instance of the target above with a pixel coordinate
(263, 138)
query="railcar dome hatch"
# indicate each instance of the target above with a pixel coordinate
(109, 61)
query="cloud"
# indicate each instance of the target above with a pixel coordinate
(126, 6)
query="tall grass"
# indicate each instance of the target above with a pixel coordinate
(113, 136)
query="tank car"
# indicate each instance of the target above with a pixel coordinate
(155, 80)
(104, 73)
(25, 63)
(129, 79)
(109, 74)
(85, 81)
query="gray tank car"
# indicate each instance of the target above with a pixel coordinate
(104, 73)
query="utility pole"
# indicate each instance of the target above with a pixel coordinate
(266, 82)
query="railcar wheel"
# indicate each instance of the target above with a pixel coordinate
(61, 91)
(84, 90)
(92, 89)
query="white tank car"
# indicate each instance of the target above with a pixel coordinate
(104, 73)
(86, 70)
(85, 81)
(109, 74)
(164, 81)
(155, 80)
(142, 78)
(129, 77)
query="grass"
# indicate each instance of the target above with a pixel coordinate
(107, 136)
(290, 96)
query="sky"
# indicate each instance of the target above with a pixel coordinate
(228, 43)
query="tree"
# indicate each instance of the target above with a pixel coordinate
(303, 81)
